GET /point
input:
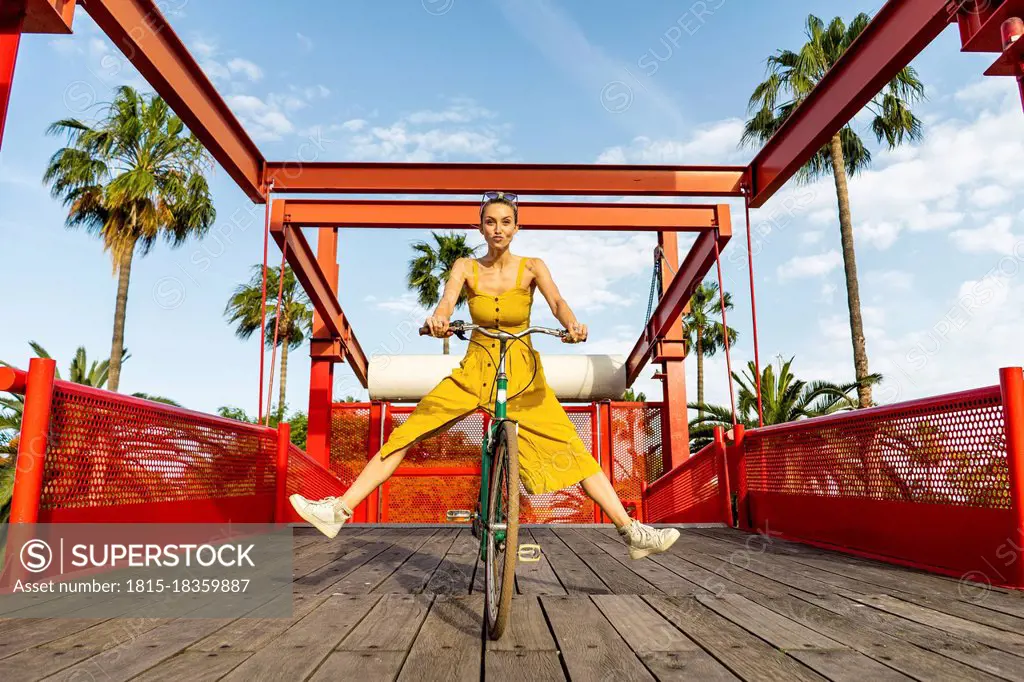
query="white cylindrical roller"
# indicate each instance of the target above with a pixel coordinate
(407, 378)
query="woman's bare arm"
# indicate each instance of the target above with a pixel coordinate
(438, 321)
(559, 307)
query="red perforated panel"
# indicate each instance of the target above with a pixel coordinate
(689, 493)
(107, 450)
(309, 479)
(951, 453)
(570, 505)
(636, 450)
(350, 440)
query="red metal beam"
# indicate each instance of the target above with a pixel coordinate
(49, 16)
(472, 178)
(691, 273)
(899, 31)
(317, 286)
(140, 31)
(11, 26)
(466, 214)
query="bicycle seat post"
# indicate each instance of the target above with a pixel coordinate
(502, 382)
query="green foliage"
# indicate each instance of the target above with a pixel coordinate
(784, 398)
(792, 76)
(431, 268)
(244, 308)
(630, 397)
(298, 421)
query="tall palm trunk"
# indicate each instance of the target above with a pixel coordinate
(446, 346)
(700, 374)
(124, 271)
(860, 354)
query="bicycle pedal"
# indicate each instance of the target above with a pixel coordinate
(459, 515)
(530, 553)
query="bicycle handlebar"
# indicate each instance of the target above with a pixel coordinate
(459, 327)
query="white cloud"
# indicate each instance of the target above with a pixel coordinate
(305, 41)
(990, 196)
(245, 68)
(809, 266)
(715, 143)
(263, 120)
(354, 125)
(890, 280)
(994, 236)
(812, 237)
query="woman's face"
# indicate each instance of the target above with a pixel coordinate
(499, 225)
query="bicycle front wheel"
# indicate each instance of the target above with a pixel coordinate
(502, 530)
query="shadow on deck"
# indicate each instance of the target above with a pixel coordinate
(381, 602)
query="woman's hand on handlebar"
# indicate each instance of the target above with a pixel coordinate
(437, 326)
(577, 333)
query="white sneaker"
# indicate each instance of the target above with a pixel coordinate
(643, 539)
(327, 515)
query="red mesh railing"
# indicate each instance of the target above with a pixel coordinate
(349, 440)
(112, 457)
(925, 482)
(636, 450)
(308, 478)
(689, 493)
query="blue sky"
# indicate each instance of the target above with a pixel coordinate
(937, 225)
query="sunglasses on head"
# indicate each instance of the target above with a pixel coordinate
(493, 196)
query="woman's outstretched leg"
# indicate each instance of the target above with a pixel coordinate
(330, 514)
(641, 538)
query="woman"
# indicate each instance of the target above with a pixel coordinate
(551, 454)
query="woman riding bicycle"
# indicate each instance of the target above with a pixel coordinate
(551, 454)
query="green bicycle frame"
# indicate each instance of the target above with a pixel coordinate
(485, 451)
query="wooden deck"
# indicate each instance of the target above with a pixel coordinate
(381, 603)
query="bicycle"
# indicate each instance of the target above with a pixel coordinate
(497, 527)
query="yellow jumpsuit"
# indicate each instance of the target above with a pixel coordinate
(551, 454)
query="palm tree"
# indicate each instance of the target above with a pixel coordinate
(135, 176)
(794, 75)
(630, 397)
(296, 318)
(430, 269)
(784, 398)
(703, 333)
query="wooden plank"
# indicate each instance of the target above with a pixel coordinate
(619, 578)
(983, 634)
(872, 641)
(844, 665)
(590, 646)
(746, 574)
(34, 633)
(743, 653)
(970, 611)
(576, 577)
(706, 580)
(301, 648)
(336, 567)
(194, 666)
(325, 550)
(138, 654)
(254, 633)
(391, 625)
(448, 645)
(536, 577)
(413, 575)
(372, 573)
(978, 656)
(779, 567)
(524, 665)
(454, 575)
(665, 580)
(666, 651)
(777, 630)
(527, 628)
(362, 666)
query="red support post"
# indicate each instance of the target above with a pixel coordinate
(11, 24)
(1011, 385)
(35, 429)
(284, 439)
(670, 352)
(371, 506)
(722, 466)
(321, 366)
(738, 476)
